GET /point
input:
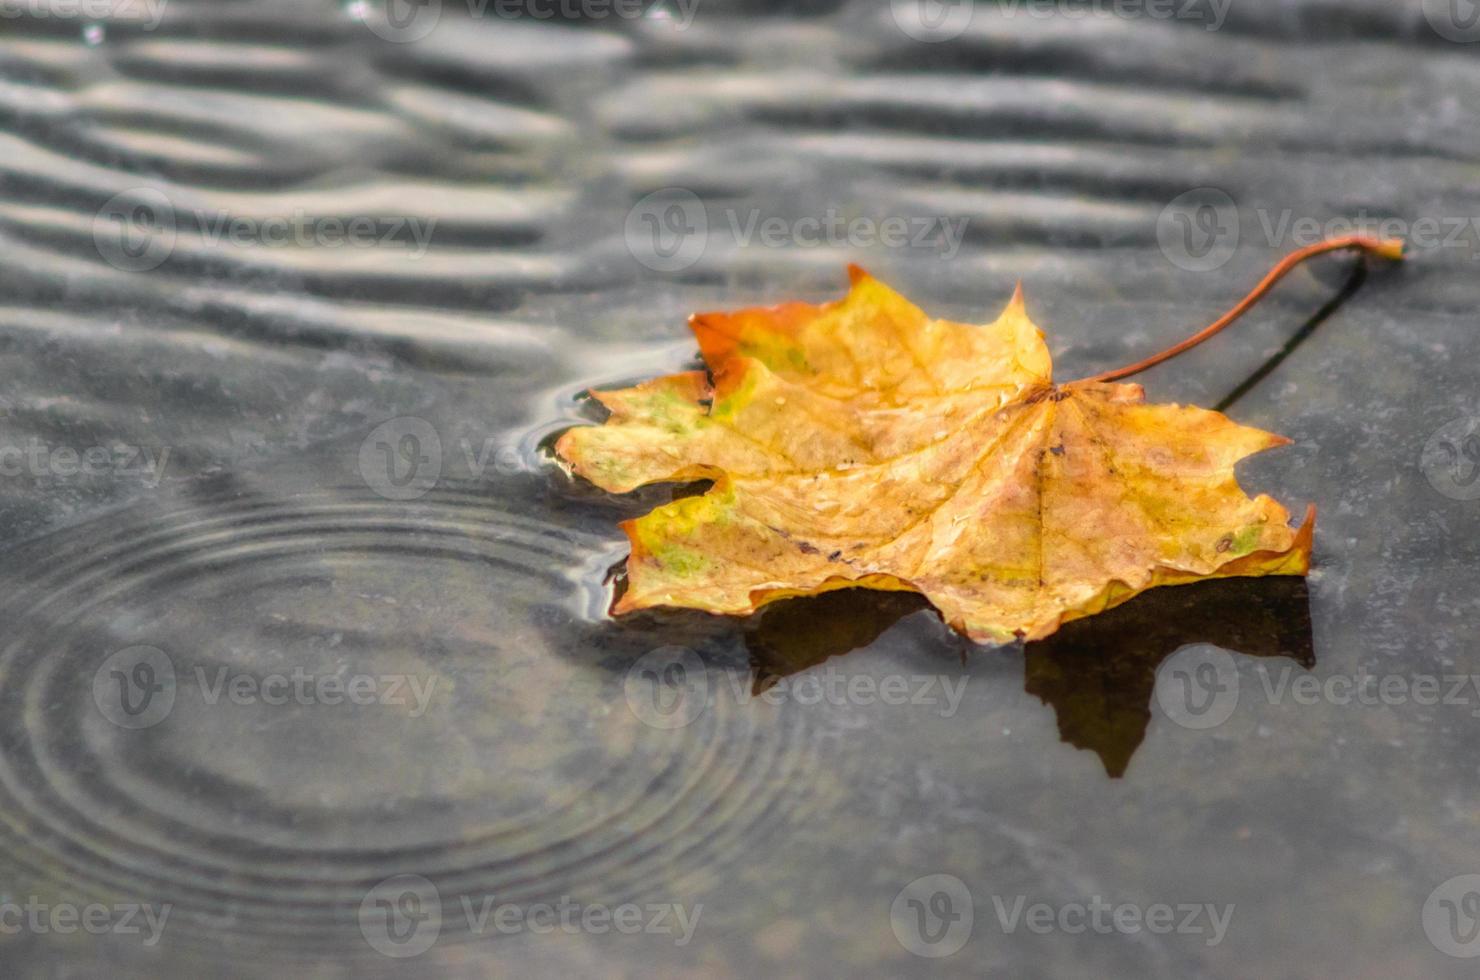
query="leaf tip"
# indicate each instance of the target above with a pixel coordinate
(1016, 307)
(1300, 548)
(857, 274)
(1307, 530)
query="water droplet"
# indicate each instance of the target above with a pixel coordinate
(93, 35)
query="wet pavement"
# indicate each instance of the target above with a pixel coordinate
(306, 664)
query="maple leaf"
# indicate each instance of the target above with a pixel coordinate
(861, 443)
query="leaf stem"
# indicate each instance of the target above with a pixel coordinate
(1388, 248)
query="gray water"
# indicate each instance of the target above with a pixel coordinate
(295, 602)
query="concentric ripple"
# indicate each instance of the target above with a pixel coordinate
(274, 819)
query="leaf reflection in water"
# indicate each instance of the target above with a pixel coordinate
(1097, 673)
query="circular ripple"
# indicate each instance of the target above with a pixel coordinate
(526, 776)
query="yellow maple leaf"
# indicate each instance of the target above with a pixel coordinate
(861, 443)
